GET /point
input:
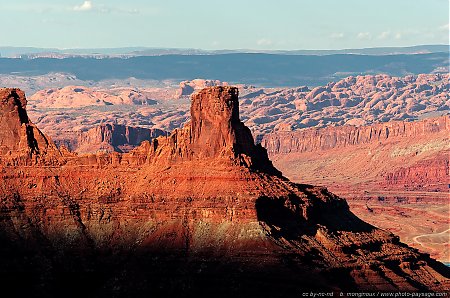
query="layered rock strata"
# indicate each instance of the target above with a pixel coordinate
(319, 139)
(393, 155)
(199, 212)
(107, 138)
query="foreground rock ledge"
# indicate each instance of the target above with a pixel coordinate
(200, 212)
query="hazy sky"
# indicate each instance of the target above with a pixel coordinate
(231, 24)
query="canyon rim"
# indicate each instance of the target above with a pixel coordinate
(201, 211)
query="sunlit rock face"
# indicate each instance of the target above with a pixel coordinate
(201, 212)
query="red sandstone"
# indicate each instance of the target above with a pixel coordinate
(206, 190)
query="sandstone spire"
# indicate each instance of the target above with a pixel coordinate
(215, 132)
(21, 142)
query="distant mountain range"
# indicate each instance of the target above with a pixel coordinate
(32, 52)
(259, 69)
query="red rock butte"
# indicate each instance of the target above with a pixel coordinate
(201, 211)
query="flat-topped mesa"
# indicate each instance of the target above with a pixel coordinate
(215, 132)
(21, 142)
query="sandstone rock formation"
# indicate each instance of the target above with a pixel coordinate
(393, 175)
(319, 139)
(20, 140)
(360, 100)
(189, 87)
(424, 174)
(393, 155)
(200, 212)
(107, 138)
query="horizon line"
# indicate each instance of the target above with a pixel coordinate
(212, 50)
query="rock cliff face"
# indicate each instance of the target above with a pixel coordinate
(393, 155)
(20, 140)
(318, 139)
(216, 129)
(199, 212)
(393, 175)
(425, 174)
(108, 138)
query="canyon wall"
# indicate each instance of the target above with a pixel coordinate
(318, 139)
(201, 211)
(425, 174)
(108, 138)
(394, 155)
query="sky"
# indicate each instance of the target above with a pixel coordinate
(230, 24)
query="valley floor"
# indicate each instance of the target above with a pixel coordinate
(421, 219)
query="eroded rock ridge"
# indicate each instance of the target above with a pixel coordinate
(199, 212)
